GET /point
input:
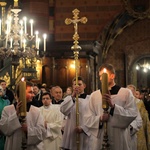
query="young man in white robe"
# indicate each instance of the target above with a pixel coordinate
(12, 126)
(53, 123)
(122, 111)
(68, 108)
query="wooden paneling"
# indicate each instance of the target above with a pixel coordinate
(61, 72)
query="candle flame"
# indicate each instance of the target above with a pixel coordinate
(105, 70)
(23, 79)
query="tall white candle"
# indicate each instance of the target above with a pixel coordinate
(25, 24)
(36, 39)
(0, 26)
(37, 52)
(44, 36)
(21, 33)
(38, 43)
(24, 44)
(6, 39)
(31, 22)
(21, 23)
(11, 40)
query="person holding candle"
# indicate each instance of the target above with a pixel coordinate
(121, 111)
(13, 126)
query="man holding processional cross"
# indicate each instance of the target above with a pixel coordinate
(75, 135)
(68, 108)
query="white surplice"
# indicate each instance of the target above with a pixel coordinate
(125, 112)
(68, 108)
(54, 119)
(11, 127)
(135, 126)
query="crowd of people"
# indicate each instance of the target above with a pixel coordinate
(73, 120)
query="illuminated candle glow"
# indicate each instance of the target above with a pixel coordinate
(31, 22)
(11, 40)
(25, 24)
(24, 44)
(36, 39)
(22, 97)
(0, 26)
(104, 88)
(21, 33)
(38, 43)
(44, 36)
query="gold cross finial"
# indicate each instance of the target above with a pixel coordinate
(75, 22)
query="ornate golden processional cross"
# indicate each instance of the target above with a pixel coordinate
(76, 48)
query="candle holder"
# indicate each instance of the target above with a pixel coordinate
(24, 135)
(105, 144)
(15, 40)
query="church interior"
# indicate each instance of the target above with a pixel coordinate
(116, 32)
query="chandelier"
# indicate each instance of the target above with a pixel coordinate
(145, 67)
(15, 39)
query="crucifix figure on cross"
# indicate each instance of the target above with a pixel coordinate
(75, 22)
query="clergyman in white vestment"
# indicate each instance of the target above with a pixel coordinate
(33, 128)
(53, 122)
(122, 111)
(68, 108)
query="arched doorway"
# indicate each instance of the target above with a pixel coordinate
(140, 75)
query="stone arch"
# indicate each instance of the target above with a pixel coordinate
(138, 77)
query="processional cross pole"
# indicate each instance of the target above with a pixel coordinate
(76, 48)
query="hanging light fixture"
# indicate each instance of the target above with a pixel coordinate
(15, 39)
(145, 66)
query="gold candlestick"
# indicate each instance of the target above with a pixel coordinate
(22, 97)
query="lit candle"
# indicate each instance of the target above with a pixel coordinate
(22, 97)
(38, 43)
(36, 39)
(44, 36)
(25, 24)
(21, 34)
(37, 52)
(6, 39)
(24, 44)
(31, 22)
(11, 40)
(104, 88)
(0, 26)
